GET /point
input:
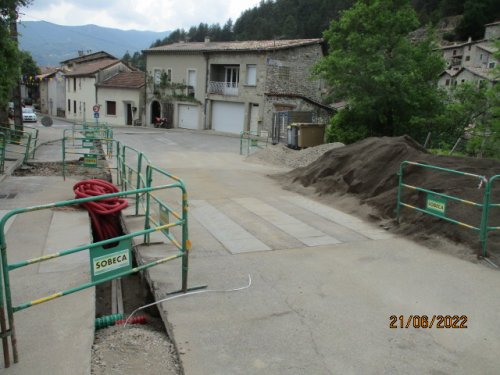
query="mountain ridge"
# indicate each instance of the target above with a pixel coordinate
(50, 43)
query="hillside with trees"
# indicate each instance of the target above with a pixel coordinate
(296, 19)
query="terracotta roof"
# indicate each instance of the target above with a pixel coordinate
(132, 80)
(255, 45)
(91, 67)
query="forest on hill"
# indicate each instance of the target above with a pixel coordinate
(296, 19)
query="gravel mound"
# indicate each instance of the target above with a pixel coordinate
(133, 350)
(368, 169)
(281, 155)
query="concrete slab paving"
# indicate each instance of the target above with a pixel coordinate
(322, 309)
(295, 228)
(234, 237)
(54, 337)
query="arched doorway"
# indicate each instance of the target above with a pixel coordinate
(155, 110)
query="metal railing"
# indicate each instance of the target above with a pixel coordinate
(18, 144)
(132, 171)
(223, 88)
(251, 140)
(91, 147)
(436, 203)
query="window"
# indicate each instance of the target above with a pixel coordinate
(491, 65)
(252, 75)
(481, 57)
(74, 84)
(469, 48)
(454, 52)
(191, 82)
(157, 76)
(447, 82)
(284, 72)
(69, 105)
(110, 108)
(467, 58)
(74, 104)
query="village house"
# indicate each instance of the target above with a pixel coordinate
(471, 61)
(232, 86)
(121, 98)
(52, 92)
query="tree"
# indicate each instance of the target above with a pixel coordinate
(9, 55)
(389, 83)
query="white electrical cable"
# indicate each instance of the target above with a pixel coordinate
(189, 294)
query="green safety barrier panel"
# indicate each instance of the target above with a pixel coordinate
(91, 147)
(250, 140)
(18, 144)
(132, 173)
(436, 203)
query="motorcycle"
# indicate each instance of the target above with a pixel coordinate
(161, 122)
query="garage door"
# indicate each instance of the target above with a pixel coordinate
(228, 117)
(188, 116)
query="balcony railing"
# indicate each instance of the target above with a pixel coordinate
(223, 88)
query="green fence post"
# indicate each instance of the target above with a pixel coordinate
(186, 245)
(400, 182)
(149, 183)
(64, 156)
(28, 145)
(138, 182)
(483, 234)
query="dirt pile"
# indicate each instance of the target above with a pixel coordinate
(368, 169)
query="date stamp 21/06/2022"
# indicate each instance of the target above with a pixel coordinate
(431, 321)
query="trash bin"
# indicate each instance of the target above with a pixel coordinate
(309, 134)
(292, 136)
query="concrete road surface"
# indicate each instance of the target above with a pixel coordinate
(326, 286)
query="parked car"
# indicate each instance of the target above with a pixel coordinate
(29, 114)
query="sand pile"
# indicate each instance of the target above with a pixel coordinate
(368, 169)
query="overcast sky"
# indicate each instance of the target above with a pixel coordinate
(153, 15)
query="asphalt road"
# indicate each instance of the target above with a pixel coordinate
(330, 294)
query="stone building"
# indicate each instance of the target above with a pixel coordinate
(471, 61)
(232, 86)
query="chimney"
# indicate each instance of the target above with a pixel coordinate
(207, 40)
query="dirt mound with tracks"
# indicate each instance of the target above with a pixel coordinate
(369, 169)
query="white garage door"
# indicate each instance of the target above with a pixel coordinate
(228, 117)
(188, 116)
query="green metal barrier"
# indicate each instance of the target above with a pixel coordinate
(2, 151)
(34, 139)
(163, 216)
(486, 214)
(436, 203)
(132, 163)
(98, 149)
(97, 260)
(18, 143)
(251, 139)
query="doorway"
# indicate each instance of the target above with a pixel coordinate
(155, 110)
(129, 113)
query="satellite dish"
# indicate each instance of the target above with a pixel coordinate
(47, 121)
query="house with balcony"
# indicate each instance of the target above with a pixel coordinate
(232, 86)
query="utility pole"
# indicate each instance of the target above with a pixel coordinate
(18, 112)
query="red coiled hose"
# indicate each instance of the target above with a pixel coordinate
(104, 213)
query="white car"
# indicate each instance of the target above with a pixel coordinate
(29, 114)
